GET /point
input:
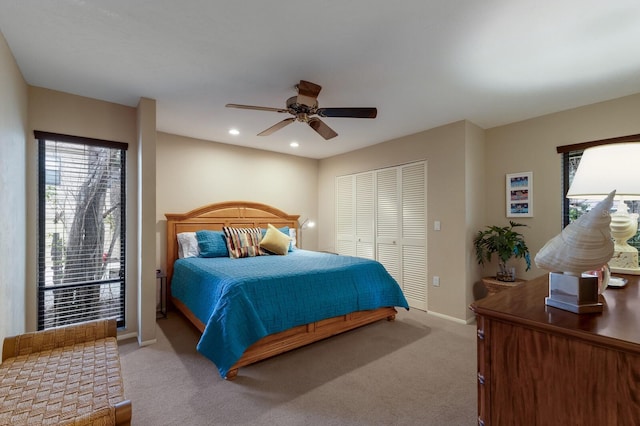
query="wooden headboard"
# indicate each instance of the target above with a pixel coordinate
(240, 214)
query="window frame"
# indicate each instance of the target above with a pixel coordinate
(573, 149)
(43, 321)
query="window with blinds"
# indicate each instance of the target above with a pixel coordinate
(81, 229)
(574, 208)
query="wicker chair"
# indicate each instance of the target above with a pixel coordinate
(64, 376)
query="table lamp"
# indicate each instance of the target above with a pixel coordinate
(602, 169)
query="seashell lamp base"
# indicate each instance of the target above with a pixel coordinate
(577, 294)
(625, 260)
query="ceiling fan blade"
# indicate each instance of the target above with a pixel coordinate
(322, 129)
(348, 112)
(277, 126)
(259, 108)
(308, 92)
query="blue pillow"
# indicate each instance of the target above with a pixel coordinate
(284, 230)
(212, 244)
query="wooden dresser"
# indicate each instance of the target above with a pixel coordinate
(539, 365)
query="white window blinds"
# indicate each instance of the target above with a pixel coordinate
(81, 222)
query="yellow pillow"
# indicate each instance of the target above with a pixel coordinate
(275, 241)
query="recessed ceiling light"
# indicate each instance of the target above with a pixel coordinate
(234, 132)
(294, 144)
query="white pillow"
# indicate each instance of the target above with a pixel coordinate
(187, 245)
(294, 238)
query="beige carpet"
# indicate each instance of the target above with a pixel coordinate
(417, 370)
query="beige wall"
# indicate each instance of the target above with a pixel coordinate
(192, 173)
(475, 211)
(531, 146)
(212, 172)
(13, 247)
(58, 112)
(448, 150)
(146, 238)
(466, 187)
(466, 169)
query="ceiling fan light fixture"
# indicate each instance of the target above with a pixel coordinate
(294, 144)
(304, 108)
(234, 132)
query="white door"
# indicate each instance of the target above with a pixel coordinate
(382, 215)
(345, 216)
(414, 234)
(364, 206)
(388, 221)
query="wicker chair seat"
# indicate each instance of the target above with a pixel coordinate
(78, 384)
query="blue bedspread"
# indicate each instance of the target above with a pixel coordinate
(243, 300)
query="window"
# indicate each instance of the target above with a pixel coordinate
(574, 208)
(81, 229)
(571, 209)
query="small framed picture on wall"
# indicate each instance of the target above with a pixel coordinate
(520, 194)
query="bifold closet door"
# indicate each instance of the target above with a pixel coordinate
(414, 234)
(355, 201)
(401, 237)
(382, 215)
(345, 216)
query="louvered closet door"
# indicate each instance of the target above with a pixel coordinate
(414, 234)
(388, 221)
(364, 206)
(382, 215)
(345, 216)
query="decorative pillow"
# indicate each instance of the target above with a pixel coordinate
(291, 232)
(294, 238)
(212, 244)
(243, 242)
(187, 245)
(276, 241)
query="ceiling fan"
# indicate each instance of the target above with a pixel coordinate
(304, 107)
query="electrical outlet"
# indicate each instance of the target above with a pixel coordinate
(436, 225)
(436, 281)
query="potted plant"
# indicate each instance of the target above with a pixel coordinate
(506, 243)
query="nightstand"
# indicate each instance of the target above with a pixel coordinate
(161, 306)
(495, 286)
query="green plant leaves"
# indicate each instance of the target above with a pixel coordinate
(504, 242)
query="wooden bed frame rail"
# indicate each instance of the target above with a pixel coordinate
(296, 337)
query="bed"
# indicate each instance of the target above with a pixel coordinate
(253, 308)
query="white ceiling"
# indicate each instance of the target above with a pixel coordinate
(421, 63)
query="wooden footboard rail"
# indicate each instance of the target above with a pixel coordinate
(74, 377)
(296, 337)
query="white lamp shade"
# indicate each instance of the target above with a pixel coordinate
(605, 168)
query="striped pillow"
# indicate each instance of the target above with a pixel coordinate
(243, 242)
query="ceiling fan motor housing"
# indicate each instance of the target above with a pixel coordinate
(301, 111)
(304, 106)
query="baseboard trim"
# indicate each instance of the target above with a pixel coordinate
(125, 336)
(147, 342)
(454, 319)
(134, 335)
